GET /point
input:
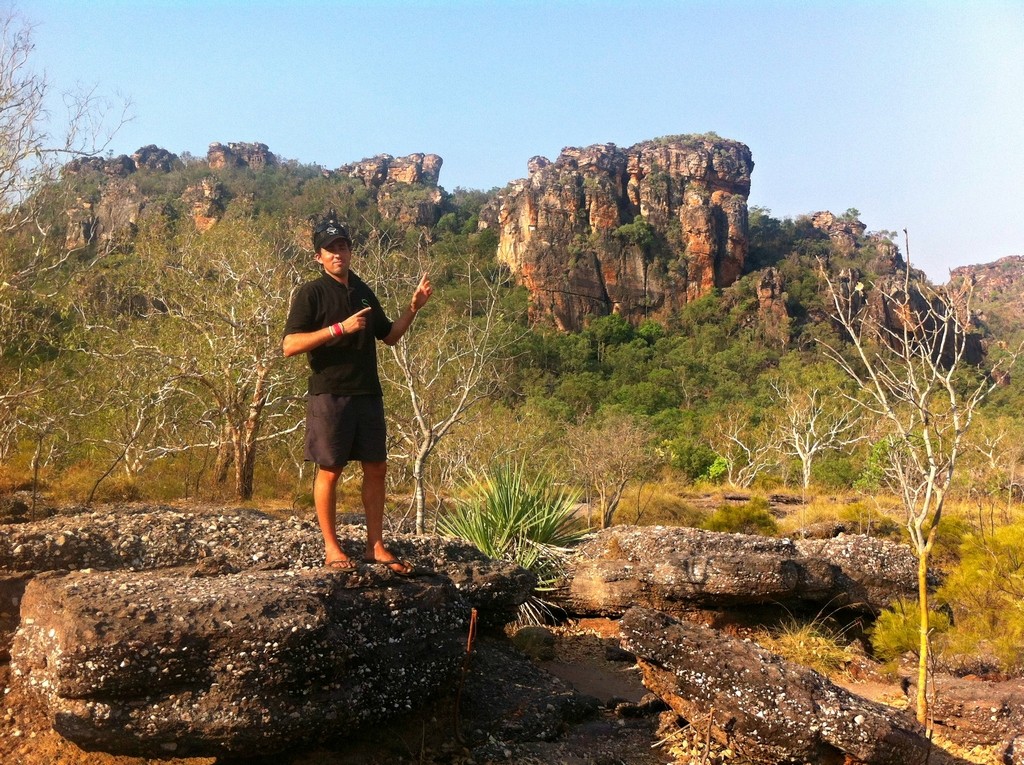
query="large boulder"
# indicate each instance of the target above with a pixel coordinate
(973, 711)
(161, 663)
(766, 708)
(681, 569)
(152, 631)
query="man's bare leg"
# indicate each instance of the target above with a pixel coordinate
(325, 496)
(374, 474)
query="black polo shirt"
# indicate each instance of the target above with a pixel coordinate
(346, 365)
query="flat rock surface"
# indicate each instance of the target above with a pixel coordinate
(676, 569)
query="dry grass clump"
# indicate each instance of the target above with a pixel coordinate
(812, 643)
(659, 504)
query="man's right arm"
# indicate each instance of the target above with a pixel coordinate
(301, 342)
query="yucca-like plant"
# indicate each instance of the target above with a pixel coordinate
(509, 516)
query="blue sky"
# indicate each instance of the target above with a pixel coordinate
(912, 112)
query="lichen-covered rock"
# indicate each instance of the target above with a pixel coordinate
(146, 537)
(763, 707)
(681, 569)
(570, 232)
(158, 664)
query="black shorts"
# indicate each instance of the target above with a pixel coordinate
(342, 429)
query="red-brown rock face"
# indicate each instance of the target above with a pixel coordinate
(998, 289)
(254, 155)
(844, 232)
(571, 232)
(405, 187)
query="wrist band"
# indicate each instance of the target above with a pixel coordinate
(336, 329)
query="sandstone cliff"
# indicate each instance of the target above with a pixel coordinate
(405, 188)
(637, 231)
(253, 155)
(998, 290)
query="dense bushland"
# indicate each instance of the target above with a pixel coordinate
(154, 371)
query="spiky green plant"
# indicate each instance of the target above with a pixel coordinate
(529, 521)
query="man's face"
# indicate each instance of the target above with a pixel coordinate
(336, 257)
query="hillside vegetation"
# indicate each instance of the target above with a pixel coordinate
(145, 362)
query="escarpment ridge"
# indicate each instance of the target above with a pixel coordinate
(637, 231)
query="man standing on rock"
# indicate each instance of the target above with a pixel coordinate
(337, 320)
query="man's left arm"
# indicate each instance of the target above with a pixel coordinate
(403, 322)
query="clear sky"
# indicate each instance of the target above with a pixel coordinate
(912, 112)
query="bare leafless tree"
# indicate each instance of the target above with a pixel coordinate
(34, 145)
(447, 362)
(216, 304)
(910, 362)
(813, 421)
(749, 448)
(606, 455)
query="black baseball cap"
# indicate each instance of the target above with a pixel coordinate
(329, 230)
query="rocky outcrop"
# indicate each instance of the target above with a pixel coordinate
(637, 231)
(252, 155)
(153, 632)
(773, 316)
(998, 290)
(155, 159)
(683, 569)
(405, 188)
(844, 232)
(113, 167)
(149, 157)
(156, 664)
(114, 214)
(114, 210)
(206, 200)
(377, 172)
(761, 706)
(896, 309)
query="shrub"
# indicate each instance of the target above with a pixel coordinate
(897, 629)
(985, 593)
(751, 517)
(867, 519)
(691, 458)
(510, 517)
